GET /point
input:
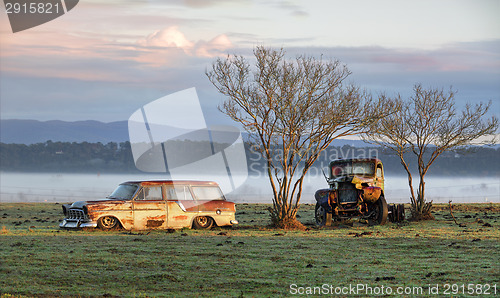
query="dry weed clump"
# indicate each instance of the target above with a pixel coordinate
(289, 224)
(4, 230)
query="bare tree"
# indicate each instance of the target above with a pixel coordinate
(294, 109)
(426, 125)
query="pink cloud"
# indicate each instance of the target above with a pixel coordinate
(214, 47)
(45, 53)
(168, 37)
(171, 37)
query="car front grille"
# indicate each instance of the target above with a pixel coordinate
(348, 193)
(76, 214)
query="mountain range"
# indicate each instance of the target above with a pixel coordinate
(15, 131)
(34, 131)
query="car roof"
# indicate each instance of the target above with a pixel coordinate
(172, 182)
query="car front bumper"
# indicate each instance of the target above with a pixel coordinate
(77, 224)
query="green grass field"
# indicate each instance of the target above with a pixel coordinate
(39, 259)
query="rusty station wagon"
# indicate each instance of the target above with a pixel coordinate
(141, 205)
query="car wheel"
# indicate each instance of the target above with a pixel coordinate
(203, 222)
(320, 215)
(107, 223)
(381, 211)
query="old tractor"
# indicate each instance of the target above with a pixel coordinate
(356, 191)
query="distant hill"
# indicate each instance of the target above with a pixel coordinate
(33, 131)
(28, 132)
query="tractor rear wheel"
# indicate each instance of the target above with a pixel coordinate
(380, 214)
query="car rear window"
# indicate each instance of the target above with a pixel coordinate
(207, 193)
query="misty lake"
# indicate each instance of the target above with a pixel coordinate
(52, 187)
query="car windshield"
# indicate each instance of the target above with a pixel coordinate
(353, 168)
(124, 192)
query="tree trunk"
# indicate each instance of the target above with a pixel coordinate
(420, 209)
(284, 213)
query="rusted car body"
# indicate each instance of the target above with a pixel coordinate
(142, 205)
(356, 190)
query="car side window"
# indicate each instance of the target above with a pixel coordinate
(149, 193)
(178, 193)
(379, 172)
(208, 193)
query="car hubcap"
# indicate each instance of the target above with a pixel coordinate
(108, 221)
(202, 221)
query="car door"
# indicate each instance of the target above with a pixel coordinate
(149, 208)
(181, 206)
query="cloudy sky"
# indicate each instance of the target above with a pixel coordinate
(105, 59)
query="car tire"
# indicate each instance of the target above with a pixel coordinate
(108, 223)
(382, 210)
(320, 215)
(203, 222)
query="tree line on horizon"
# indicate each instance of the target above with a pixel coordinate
(114, 157)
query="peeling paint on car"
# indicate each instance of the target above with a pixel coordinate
(180, 217)
(154, 223)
